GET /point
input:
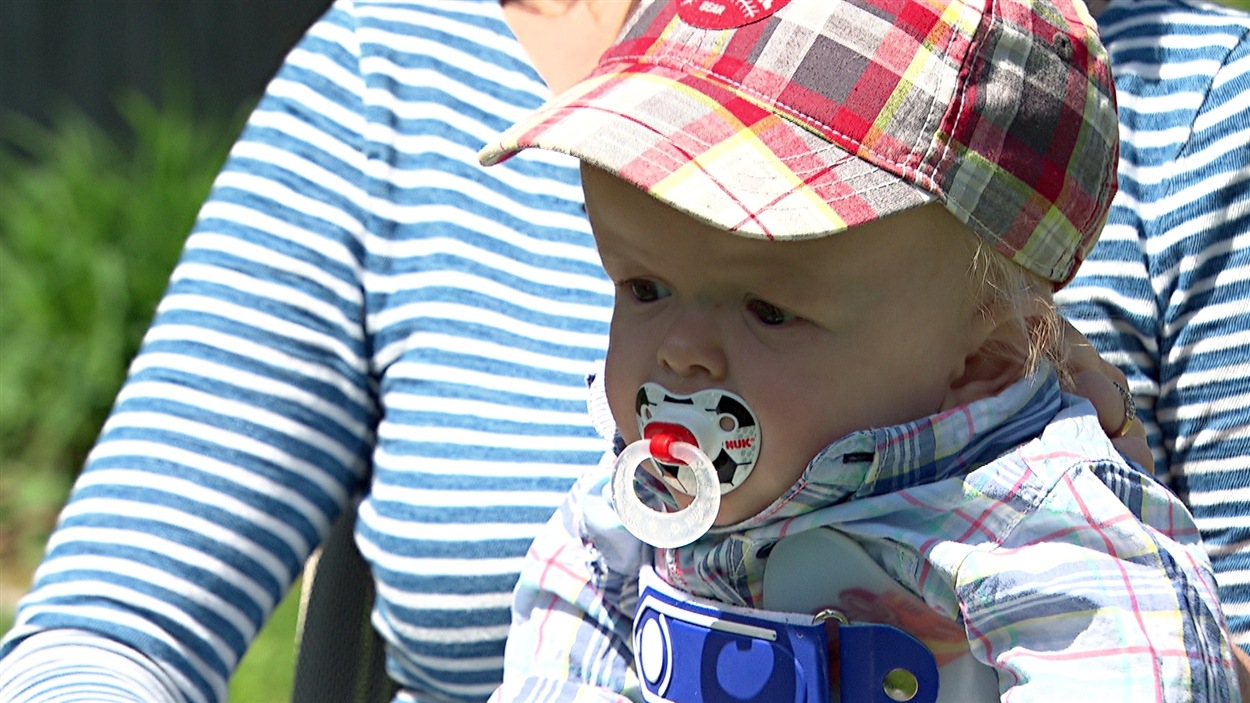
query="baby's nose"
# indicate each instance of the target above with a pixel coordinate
(693, 347)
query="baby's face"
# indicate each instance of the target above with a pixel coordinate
(820, 338)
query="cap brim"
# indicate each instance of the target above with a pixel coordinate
(711, 152)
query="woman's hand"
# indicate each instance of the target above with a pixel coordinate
(1096, 380)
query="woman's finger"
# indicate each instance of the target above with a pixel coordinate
(1100, 382)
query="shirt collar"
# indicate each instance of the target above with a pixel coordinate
(888, 459)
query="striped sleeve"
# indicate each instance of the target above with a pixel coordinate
(361, 310)
(244, 425)
(1166, 293)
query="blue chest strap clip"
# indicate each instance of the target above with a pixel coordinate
(689, 649)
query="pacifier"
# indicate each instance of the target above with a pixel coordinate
(702, 445)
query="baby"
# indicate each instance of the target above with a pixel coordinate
(835, 228)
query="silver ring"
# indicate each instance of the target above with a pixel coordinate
(1130, 411)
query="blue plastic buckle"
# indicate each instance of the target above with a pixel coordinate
(691, 650)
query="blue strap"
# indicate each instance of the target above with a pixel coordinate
(691, 650)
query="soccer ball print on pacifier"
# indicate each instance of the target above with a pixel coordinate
(702, 445)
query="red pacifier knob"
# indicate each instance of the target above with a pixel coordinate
(662, 436)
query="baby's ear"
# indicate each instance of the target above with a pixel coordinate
(998, 357)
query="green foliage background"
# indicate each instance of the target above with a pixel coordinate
(90, 230)
(90, 227)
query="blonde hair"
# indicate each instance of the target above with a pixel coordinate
(1012, 294)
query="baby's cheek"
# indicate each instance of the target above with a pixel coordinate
(775, 474)
(788, 447)
(621, 404)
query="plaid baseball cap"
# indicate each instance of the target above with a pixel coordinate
(793, 119)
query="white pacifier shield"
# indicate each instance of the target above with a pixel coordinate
(721, 423)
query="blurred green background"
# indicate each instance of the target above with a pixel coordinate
(115, 116)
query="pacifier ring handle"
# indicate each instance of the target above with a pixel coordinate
(661, 529)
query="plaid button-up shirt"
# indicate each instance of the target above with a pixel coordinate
(1073, 574)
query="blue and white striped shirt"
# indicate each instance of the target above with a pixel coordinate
(1166, 293)
(358, 298)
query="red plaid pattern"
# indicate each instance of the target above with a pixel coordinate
(829, 114)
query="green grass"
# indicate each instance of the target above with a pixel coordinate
(90, 228)
(266, 672)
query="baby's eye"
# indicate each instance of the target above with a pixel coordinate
(768, 313)
(644, 291)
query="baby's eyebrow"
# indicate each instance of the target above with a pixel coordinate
(615, 263)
